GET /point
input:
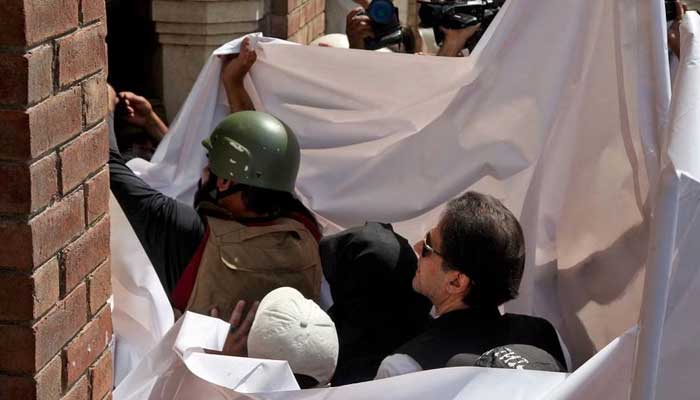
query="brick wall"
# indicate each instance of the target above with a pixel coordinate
(55, 325)
(300, 21)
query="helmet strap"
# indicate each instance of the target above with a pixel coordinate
(233, 189)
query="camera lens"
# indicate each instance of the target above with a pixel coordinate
(381, 11)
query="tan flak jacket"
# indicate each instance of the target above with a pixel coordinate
(246, 262)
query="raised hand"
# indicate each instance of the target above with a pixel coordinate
(455, 40)
(357, 25)
(237, 340)
(236, 66)
(139, 112)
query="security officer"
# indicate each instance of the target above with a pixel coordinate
(248, 234)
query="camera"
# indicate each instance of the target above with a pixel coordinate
(458, 14)
(384, 19)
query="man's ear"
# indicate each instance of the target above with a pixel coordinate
(222, 184)
(459, 283)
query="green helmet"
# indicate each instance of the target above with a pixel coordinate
(255, 149)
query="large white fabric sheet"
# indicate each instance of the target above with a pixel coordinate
(559, 112)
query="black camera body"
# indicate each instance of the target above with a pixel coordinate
(384, 19)
(458, 14)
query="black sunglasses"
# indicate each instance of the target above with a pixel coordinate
(427, 248)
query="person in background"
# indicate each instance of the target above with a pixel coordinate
(674, 34)
(137, 126)
(358, 29)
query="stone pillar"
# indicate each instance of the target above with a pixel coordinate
(55, 324)
(188, 31)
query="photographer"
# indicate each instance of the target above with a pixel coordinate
(359, 28)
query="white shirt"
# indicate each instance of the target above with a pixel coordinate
(397, 364)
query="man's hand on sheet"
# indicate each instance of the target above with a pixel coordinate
(237, 340)
(233, 70)
(236, 66)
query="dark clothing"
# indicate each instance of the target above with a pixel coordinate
(476, 331)
(370, 270)
(169, 231)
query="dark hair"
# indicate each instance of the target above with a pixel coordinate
(268, 201)
(482, 239)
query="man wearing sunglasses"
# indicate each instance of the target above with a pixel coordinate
(470, 264)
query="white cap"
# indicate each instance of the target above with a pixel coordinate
(290, 327)
(338, 40)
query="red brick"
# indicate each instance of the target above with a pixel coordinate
(309, 11)
(49, 380)
(12, 387)
(99, 287)
(25, 349)
(45, 385)
(28, 133)
(318, 26)
(24, 297)
(281, 7)
(86, 253)
(83, 156)
(294, 21)
(92, 10)
(101, 376)
(17, 349)
(320, 7)
(26, 188)
(79, 391)
(80, 53)
(61, 324)
(276, 26)
(17, 252)
(28, 244)
(25, 23)
(26, 78)
(97, 196)
(94, 99)
(87, 346)
(301, 36)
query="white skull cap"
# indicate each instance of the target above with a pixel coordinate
(290, 327)
(337, 40)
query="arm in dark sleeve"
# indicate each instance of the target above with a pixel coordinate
(168, 230)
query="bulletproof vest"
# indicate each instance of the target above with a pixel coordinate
(475, 331)
(246, 262)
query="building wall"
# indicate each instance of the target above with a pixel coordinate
(188, 32)
(55, 324)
